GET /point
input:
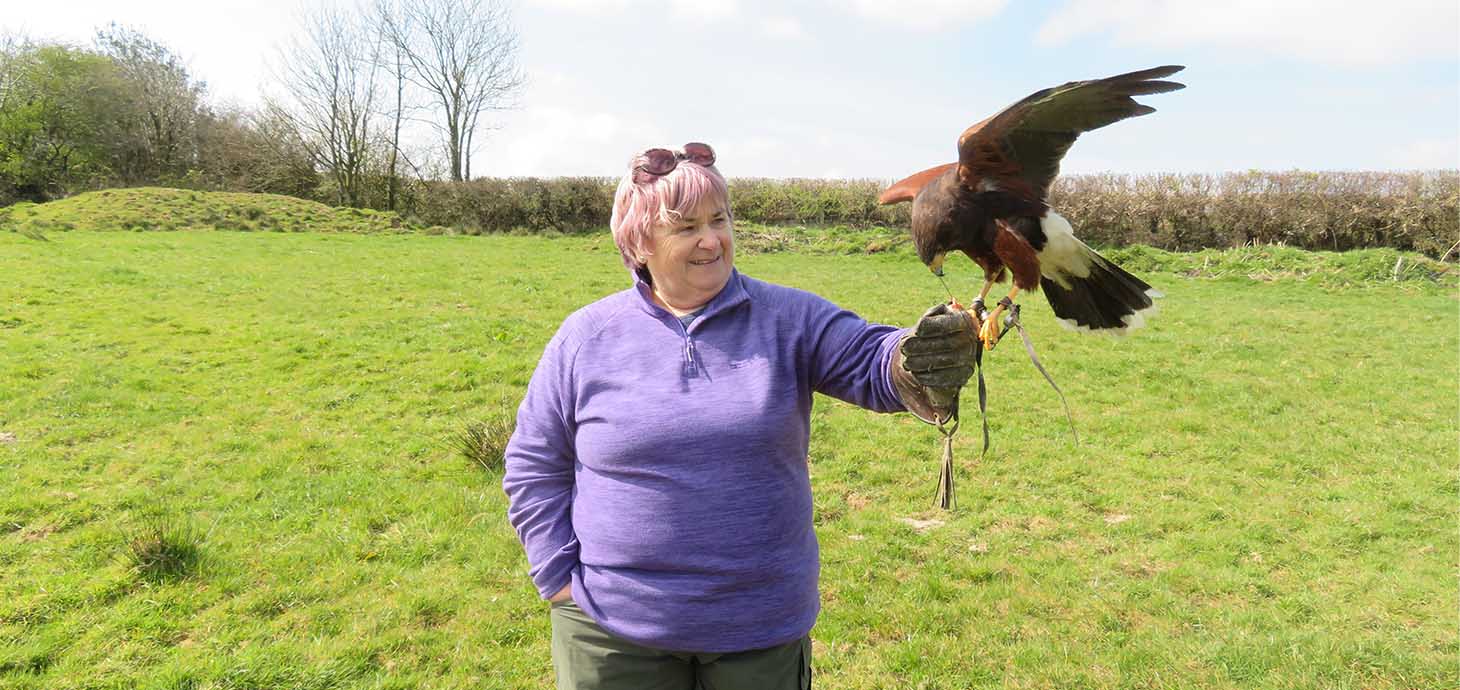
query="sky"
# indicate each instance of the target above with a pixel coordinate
(878, 89)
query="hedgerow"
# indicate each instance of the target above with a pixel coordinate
(1418, 211)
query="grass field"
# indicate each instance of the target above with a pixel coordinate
(1265, 496)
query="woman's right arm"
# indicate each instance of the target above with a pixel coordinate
(539, 471)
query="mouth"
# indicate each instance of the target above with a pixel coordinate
(705, 262)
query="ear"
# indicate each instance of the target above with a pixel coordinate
(907, 189)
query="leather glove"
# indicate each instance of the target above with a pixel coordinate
(936, 360)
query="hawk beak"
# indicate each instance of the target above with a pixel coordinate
(936, 265)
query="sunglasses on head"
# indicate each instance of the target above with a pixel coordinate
(655, 163)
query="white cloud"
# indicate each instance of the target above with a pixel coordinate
(1427, 154)
(704, 10)
(927, 14)
(566, 126)
(694, 10)
(1323, 31)
(585, 6)
(553, 140)
(752, 152)
(782, 27)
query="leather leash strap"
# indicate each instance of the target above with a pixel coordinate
(1013, 320)
(947, 498)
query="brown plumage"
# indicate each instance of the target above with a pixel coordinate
(993, 203)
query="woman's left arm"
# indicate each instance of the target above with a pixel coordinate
(887, 369)
(851, 359)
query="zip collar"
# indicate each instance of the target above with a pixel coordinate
(729, 297)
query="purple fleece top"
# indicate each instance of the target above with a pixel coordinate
(662, 469)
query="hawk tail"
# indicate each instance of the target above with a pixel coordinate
(1086, 290)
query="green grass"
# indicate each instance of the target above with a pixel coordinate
(1265, 494)
(142, 209)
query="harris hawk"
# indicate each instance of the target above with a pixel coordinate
(992, 204)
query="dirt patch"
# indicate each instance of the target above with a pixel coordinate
(922, 526)
(1039, 523)
(34, 534)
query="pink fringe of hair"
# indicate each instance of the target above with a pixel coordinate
(639, 208)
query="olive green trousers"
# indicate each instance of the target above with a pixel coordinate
(587, 657)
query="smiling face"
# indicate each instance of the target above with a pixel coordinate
(692, 258)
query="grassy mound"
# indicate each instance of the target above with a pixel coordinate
(158, 208)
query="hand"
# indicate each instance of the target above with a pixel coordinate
(564, 594)
(939, 353)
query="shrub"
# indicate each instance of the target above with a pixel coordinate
(564, 205)
(1417, 211)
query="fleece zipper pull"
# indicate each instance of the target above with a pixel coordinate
(691, 369)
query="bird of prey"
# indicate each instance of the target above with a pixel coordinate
(993, 204)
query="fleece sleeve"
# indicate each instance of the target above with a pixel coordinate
(539, 470)
(850, 358)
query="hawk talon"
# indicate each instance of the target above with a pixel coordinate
(989, 332)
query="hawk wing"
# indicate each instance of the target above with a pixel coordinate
(1020, 148)
(907, 188)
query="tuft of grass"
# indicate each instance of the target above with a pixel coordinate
(164, 548)
(485, 443)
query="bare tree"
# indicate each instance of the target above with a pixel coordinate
(463, 55)
(11, 47)
(331, 75)
(385, 17)
(397, 70)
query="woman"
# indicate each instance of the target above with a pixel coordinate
(658, 474)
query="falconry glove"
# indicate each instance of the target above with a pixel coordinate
(934, 361)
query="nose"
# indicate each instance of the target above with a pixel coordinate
(708, 239)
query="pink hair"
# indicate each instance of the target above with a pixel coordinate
(639, 208)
